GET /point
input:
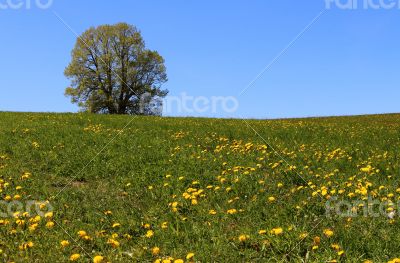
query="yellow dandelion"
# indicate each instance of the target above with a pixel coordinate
(335, 247)
(50, 224)
(328, 232)
(48, 215)
(303, 235)
(231, 211)
(243, 238)
(114, 243)
(262, 232)
(64, 243)
(98, 259)
(155, 251)
(74, 257)
(149, 233)
(277, 231)
(82, 233)
(115, 225)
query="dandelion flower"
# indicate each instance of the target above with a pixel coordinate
(33, 227)
(114, 243)
(335, 247)
(262, 232)
(276, 231)
(231, 211)
(115, 225)
(74, 257)
(82, 233)
(155, 251)
(87, 238)
(64, 243)
(328, 232)
(98, 259)
(26, 245)
(243, 238)
(317, 240)
(48, 215)
(149, 233)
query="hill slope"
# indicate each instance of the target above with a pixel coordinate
(143, 189)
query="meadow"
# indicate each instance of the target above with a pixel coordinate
(151, 189)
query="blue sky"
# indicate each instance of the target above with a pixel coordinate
(346, 63)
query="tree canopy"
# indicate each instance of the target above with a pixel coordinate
(112, 72)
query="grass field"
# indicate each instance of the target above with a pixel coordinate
(144, 189)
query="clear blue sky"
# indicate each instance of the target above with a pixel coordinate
(346, 63)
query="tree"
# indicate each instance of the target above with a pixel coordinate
(112, 72)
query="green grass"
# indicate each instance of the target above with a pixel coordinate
(137, 167)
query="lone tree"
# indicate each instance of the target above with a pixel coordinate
(112, 72)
